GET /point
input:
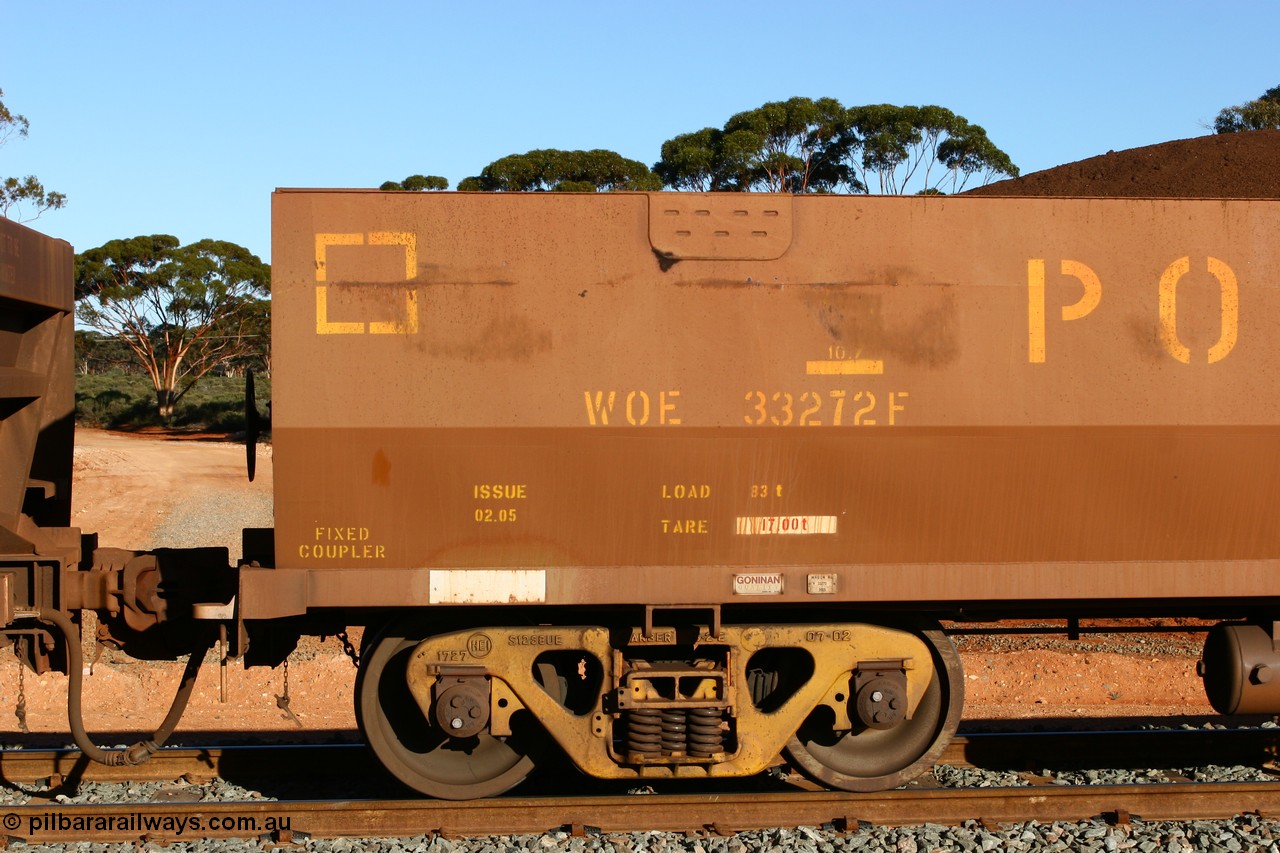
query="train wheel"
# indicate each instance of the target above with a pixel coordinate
(867, 759)
(415, 749)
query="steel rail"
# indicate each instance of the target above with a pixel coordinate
(707, 813)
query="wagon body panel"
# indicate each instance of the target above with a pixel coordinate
(667, 397)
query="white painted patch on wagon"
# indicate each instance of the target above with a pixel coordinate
(785, 525)
(488, 586)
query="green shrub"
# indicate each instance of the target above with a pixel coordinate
(115, 400)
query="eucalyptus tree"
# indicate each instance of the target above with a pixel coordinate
(901, 146)
(970, 152)
(1262, 113)
(691, 161)
(799, 144)
(805, 145)
(417, 184)
(554, 170)
(17, 192)
(181, 310)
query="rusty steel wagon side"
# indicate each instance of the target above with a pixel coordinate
(37, 428)
(682, 484)
(771, 398)
(701, 464)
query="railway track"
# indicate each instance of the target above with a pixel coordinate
(774, 802)
(712, 814)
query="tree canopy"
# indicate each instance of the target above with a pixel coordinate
(181, 310)
(791, 146)
(15, 193)
(553, 170)
(804, 145)
(800, 145)
(694, 162)
(900, 147)
(1262, 113)
(417, 184)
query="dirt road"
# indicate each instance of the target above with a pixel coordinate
(147, 491)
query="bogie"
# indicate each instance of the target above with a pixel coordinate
(464, 713)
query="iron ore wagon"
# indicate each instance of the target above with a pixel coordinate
(683, 485)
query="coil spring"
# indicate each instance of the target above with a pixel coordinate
(706, 732)
(673, 731)
(644, 732)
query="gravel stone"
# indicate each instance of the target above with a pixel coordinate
(949, 776)
(1243, 833)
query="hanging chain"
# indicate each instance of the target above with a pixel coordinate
(349, 647)
(20, 711)
(282, 701)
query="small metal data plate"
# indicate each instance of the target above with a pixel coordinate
(822, 584)
(732, 226)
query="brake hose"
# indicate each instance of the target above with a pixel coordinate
(143, 749)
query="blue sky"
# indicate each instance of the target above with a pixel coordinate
(181, 118)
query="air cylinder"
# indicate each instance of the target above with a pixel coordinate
(1241, 669)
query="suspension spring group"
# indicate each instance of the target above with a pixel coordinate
(706, 731)
(644, 732)
(673, 732)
